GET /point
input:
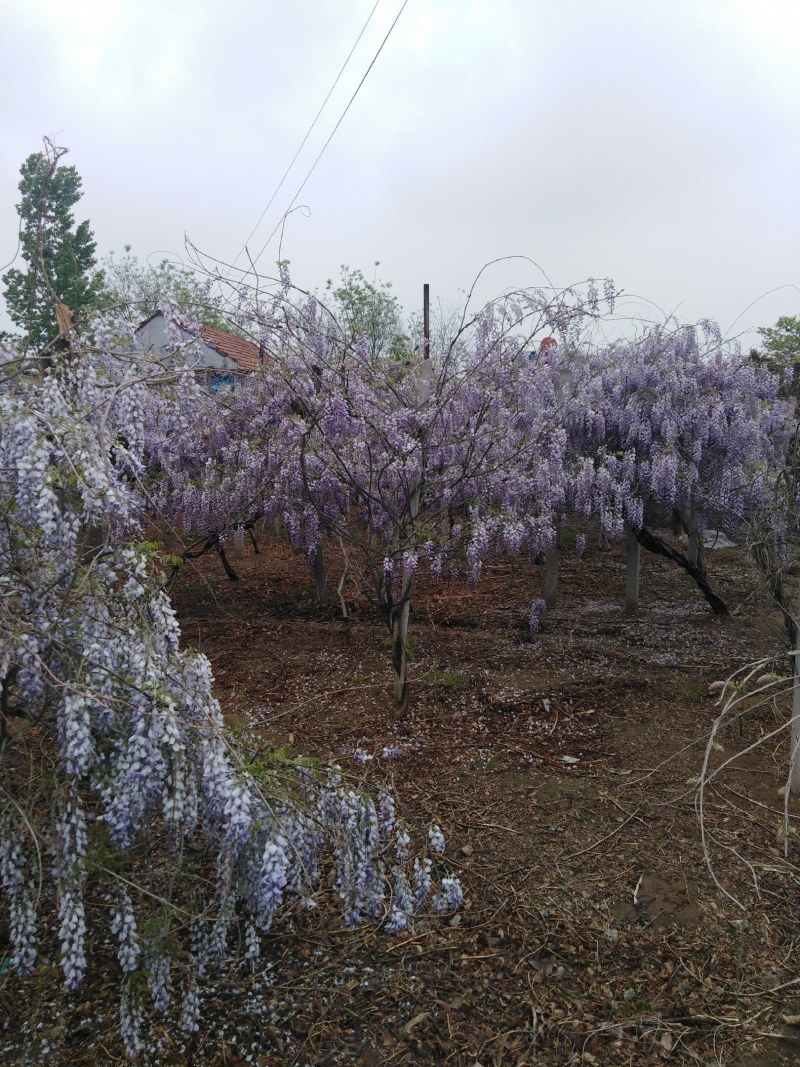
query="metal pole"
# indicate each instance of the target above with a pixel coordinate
(426, 321)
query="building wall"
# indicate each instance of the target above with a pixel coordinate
(153, 335)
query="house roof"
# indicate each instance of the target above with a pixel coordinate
(244, 353)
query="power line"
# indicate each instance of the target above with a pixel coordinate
(308, 134)
(333, 132)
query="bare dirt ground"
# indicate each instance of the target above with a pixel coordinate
(563, 772)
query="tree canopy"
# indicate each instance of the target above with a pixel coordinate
(137, 289)
(60, 256)
(370, 309)
(474, 455)
(782, 342)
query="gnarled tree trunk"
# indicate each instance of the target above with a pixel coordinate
(647, 539)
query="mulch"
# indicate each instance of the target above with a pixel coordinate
(596, 927)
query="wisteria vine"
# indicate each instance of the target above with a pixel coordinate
(90, 654)
(445, 464)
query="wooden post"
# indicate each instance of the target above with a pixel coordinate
(425, 382)
(689, 521)
(238, 542)
(318, 571)
(632, 553)
(794, 733)
(551, 562)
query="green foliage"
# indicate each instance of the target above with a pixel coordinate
(783, 832)
(272, 767)
(155, 929)
(348, 678)
(10, 340)
(371, 310)
(104, 857)
(59, 255)
(388, 643)
(782, 347)
(137, 289)
(697, 692)
(446, 681)
(156, 555)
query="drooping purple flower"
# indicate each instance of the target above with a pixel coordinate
(123, 926)
(450, 896)
(16, 880)
(537, 612)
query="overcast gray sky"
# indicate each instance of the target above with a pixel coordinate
(653, 141)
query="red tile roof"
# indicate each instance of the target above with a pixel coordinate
(243, 353)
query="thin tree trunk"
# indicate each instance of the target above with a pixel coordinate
(551, 565)
(632, 573)
(687, 522)
(399, 617)
(238, 542)
(399, 614)
(320, 578)
(232, 575)
(694, 550)
(654, 544)
(342, 601)
(253, 541)
(794, 742)
(772, 573)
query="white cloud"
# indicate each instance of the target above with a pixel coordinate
(655, 142)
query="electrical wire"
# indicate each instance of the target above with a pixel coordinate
(307, 135)
(332, 134)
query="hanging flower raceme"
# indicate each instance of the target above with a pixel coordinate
(90, 649)
(676, 424)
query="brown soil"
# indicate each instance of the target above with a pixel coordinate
(563, 772)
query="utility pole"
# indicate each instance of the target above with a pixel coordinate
(426, 321)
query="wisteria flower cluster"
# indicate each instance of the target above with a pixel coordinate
(478, 453)
(677, 422)
(90, 650)
(439, 465)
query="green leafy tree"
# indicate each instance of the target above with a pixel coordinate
(370, 309)
(60, 256)
(782, 343)
(137, 289)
